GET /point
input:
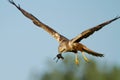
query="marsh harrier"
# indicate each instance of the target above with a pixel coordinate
(66, 45)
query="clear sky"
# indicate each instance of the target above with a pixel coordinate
(25, 48)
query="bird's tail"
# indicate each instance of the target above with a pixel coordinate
(92, 52)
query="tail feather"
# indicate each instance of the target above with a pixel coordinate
(92, 52)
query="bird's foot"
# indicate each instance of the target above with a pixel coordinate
(76, 59)
(85, 58)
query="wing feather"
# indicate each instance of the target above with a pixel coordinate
(90, 31)
(37, 22)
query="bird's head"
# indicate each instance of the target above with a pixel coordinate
(62, 47)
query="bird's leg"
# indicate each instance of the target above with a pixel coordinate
(76, 59)
(85, 58)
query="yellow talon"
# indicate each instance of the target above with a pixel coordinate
(76, 59)
(85, 58)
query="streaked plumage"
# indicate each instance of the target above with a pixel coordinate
(66, 45)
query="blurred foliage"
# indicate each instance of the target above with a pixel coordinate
(66, 70)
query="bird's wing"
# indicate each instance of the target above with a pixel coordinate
(90, 31)
(37, 22)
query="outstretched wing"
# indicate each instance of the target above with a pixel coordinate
(90, 31)
(37, 22)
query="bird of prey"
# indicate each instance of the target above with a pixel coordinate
(66, 45)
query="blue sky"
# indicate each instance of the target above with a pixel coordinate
(25, 48)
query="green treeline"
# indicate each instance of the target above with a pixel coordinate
(67, 70)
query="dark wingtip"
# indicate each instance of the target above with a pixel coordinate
(117, 17)
(100, 55)
(12, 2)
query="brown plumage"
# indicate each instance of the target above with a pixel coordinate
(66, 45)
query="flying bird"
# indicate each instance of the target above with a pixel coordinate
(66, 45)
